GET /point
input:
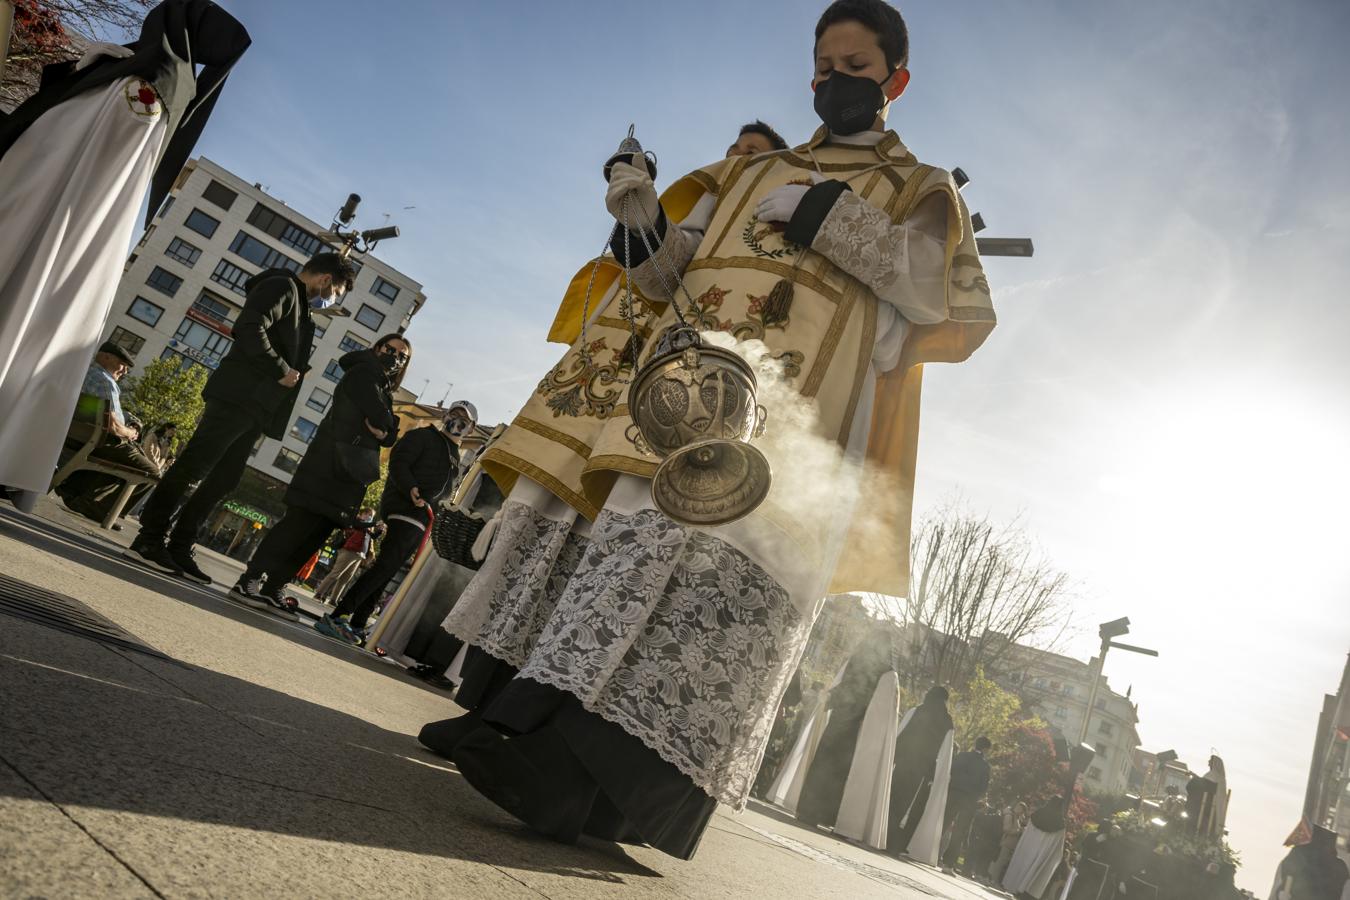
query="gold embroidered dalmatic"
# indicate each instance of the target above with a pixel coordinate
(570, 436)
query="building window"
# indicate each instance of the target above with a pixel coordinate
(284, 230)
(333, 372)
(230, 275)
(1095, 773)
(257, 445)
(255, 251)
(386, 291)
(142, 310)
(370, 318)
(129, 341)
(1061, 711)
(168, 203)
(1101, 751)
(1105, 727)
(351, 343)
(182, 251)
(319, 331)
(287, 460)
(213, 307)
(163, 281)
(219, 194)
(303, 430)
(209, 345)
(184, 362)
(319, 400)
(201, 223)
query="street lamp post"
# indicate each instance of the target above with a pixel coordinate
(1107, 631)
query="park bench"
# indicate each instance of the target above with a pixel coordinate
(87, 430)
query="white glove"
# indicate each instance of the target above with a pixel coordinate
(643, 205)
(779, 204)
(117, 51)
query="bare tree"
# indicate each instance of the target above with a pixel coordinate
(48, 31)
(976, 589)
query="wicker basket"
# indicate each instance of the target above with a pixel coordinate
(453, 534)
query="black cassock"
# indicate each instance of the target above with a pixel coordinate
(823, 786)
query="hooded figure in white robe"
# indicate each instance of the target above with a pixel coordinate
(75, 161)
(1039, 851)
(920, 779)
(847, 740)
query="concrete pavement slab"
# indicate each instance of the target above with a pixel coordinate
(45, 854)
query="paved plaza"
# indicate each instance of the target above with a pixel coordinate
(238, 755)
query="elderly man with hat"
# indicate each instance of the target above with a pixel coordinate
(423, 468)
(91, 494)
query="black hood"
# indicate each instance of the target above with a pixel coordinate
(349, 361)
(273, 273)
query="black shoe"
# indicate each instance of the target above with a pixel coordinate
(441, 737)
(152, 555)
(555, 801)
(248, 592)
(283, 607)
(184, 559)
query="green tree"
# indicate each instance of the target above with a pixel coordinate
(376, 487)
(982, 708)
(163, 392)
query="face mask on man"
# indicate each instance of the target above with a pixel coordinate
(849, 104)
(325, 298)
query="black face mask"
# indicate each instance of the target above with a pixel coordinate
(848, 104)
(392, 362)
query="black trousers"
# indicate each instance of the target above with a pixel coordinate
(961, 814)
(398, 544)
(95, 492)
(288, 546)
(216, 457)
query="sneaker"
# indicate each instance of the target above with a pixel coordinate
(153, 556)
(185, 561)
(248, 592)
(283, 607)
(333, 627)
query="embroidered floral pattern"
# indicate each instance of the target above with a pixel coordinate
(504, 609)
(678, 638)
(578, 387)
(763, 313)
(860, 239)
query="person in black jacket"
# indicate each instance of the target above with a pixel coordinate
(969, 782)
(330, 483)
(422, 469)
(249, 395)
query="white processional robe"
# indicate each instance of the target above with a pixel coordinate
(70, 190)
(926, 843)
(1034, 862)
(786, 790)
(865, 807)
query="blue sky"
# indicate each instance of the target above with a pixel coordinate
(1164, 402)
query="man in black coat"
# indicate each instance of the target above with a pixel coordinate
(969, 782)
(251, 394)
(422, 469)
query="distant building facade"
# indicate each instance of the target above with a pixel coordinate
(183, 288)
(1327, 800)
